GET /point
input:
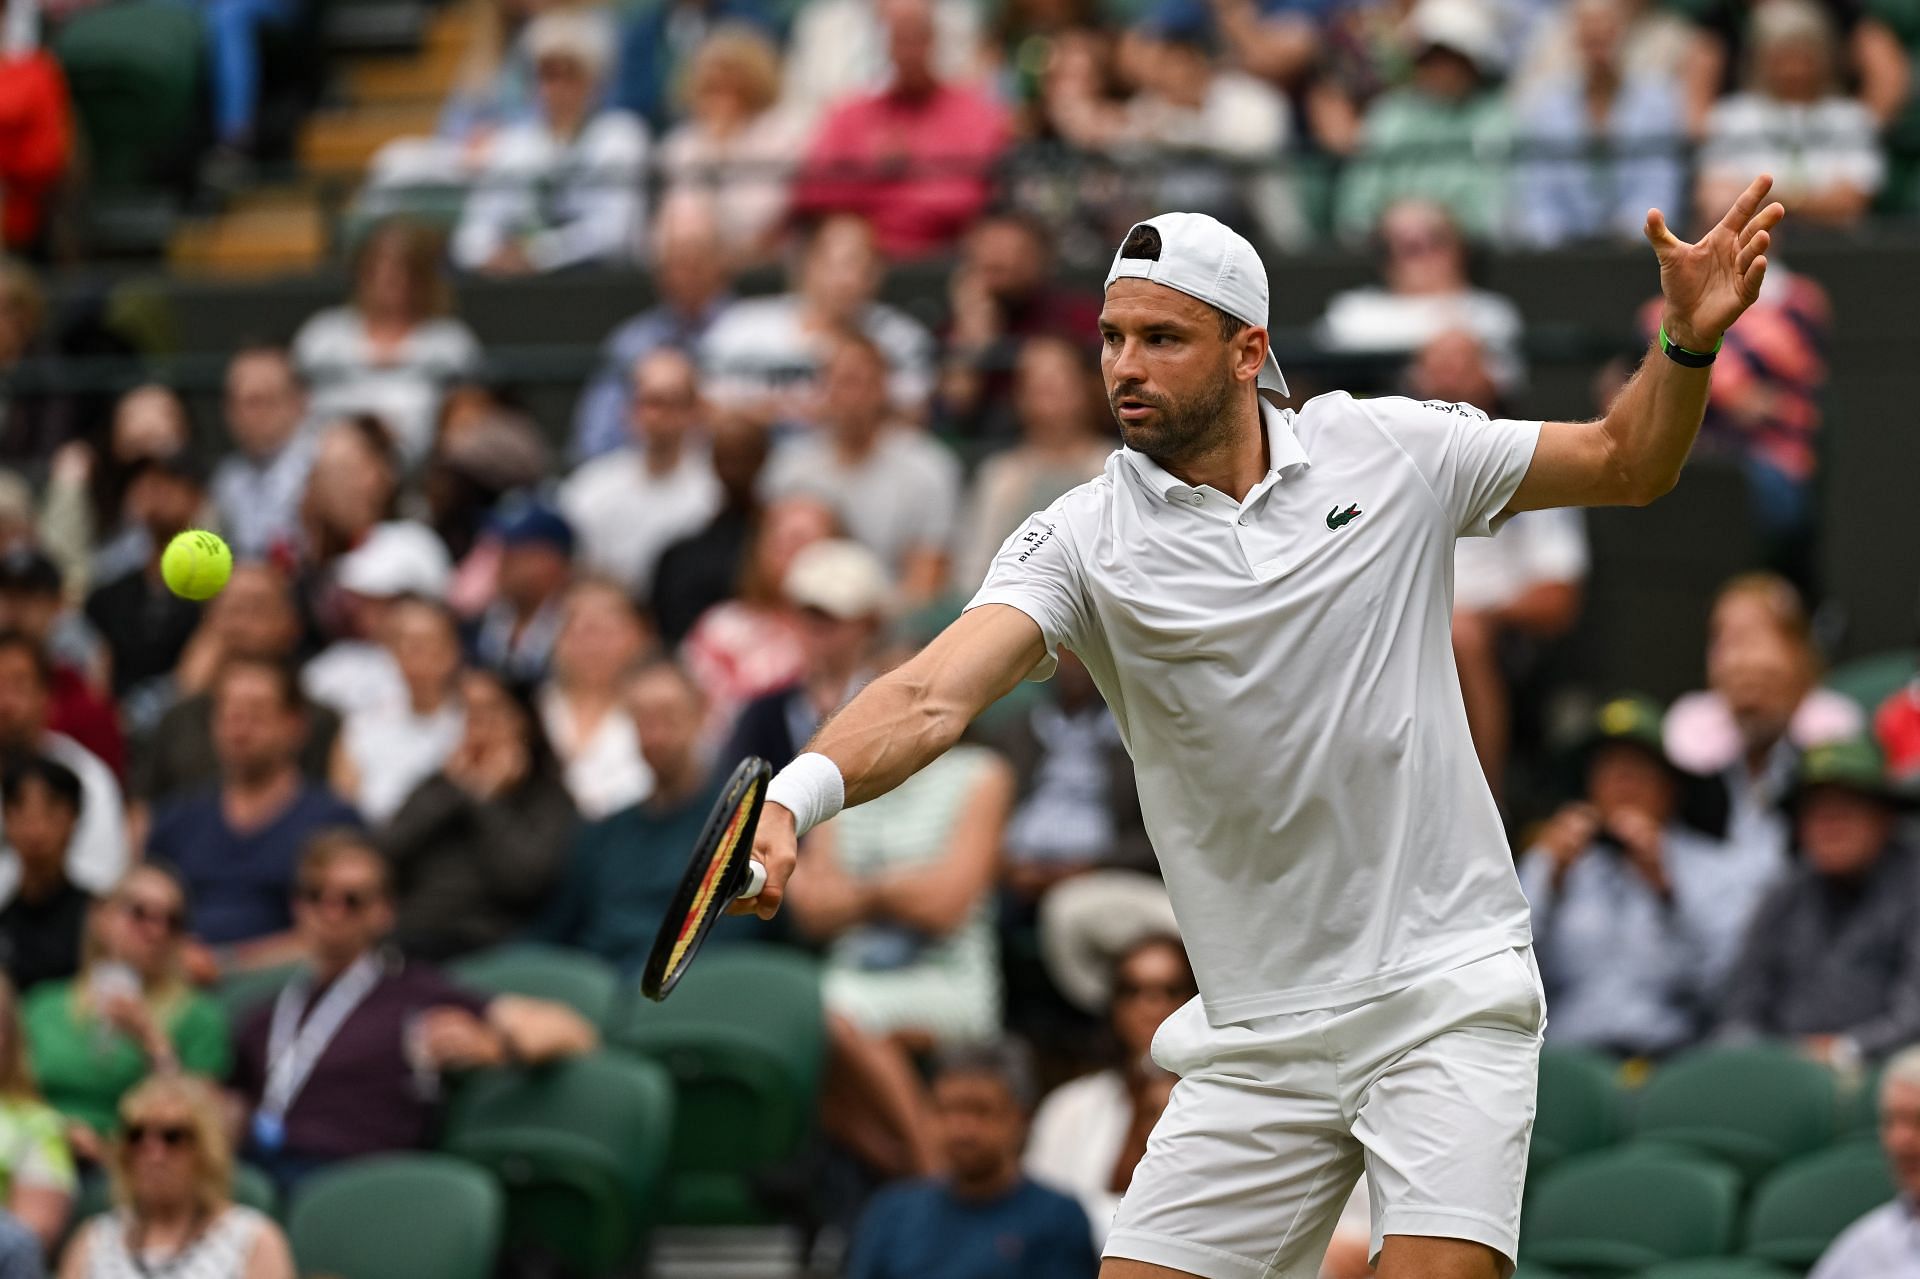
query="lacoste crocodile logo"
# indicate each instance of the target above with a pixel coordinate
(1337, 517)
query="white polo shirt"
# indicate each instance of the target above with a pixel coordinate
(1282, 673)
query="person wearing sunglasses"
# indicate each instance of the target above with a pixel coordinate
(347, 1058)
(129, 1013)
(173, 1214)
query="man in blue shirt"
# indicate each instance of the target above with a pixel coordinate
(238, 844)
(985, 1219)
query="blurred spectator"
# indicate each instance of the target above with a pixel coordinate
(253, 619)
(689, 272)
(236, 31)
(237, 843)
(738, 147)
(1026, 38)
(1761, 708)
(145, 624)
(1066, 435)
(1089, 1134)
(515, 634)
(749, 645)
(357, 671)
(844, 47)
(661, 47)
(898, 890)
(32, 426)
(98, 854)
(257, 487)
(1607, 143)
(1001, 295)
(1792, 121)
(85, 524)
(393, 348)
(45, 920)
(985, 1218)
(383, 752)
(1636, 918)
(893, 486)
(841, 591)
(37, 1181)
(629, 505)
(483, 453)
(33, 603)
(763, 355)
(1443, 136)
(701, 569)
(172, 1174)
(347, 1060)
(1513, 592)
(36, 143)
(353, 486)
(1076, 806)
(916, 157)
(622, 871)
(1896, 727)
(563, 189)
(1728, 33)
(1763, 407)
(497, 80)
(1884, 1241)
(1654, 46)
(1278, 40)
(476, 847)
(1426, 291)
(582, 706)
(1832, 959)
(129, 1012)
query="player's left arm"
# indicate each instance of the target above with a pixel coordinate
(1634, 454)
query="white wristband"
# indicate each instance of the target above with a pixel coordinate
(810, 788)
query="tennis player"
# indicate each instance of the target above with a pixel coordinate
(1265, 598)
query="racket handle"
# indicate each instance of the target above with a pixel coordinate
(756, 879)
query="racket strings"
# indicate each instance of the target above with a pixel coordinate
(723, 857)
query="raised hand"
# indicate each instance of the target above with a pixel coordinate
(1708, 284)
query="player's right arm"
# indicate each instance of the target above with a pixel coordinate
(905, 720)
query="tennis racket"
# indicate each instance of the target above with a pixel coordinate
(720, 872)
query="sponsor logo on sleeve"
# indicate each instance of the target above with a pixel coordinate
(1036, 536)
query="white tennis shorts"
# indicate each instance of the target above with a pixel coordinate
(1430, 1089)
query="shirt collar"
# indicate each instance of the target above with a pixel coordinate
(1283, 448)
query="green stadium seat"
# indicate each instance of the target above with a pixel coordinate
(581, 1147)
(1869, 681)
(1525, 1271)
(744, 1038)
(240, 993)
(1802, 1208)
(1718, 1268)
(410, 1216)
(1613, 1213)
(585, 983)
(1580, 1107)
(1754, 1108)
(134, 71)
(1860, 1108)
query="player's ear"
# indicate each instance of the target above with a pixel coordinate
(1250, 352)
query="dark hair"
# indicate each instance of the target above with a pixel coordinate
(286, 684)
(541, 760)
(42, 668)
(1152, 941)
(1006, 1059)
(62, 781)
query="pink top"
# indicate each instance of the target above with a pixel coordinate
(916, 168)
(1701, 736)
(736, 652)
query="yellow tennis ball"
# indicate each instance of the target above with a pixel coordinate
(196, 564)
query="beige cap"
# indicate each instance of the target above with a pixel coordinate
(841, 578)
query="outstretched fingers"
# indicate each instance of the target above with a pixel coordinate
(1657, 232)
(1762, 222)
(1751, 278)
(1755, 246)
(1748, 204)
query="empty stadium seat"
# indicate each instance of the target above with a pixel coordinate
(580, 1147)
(240, 993)
(1754, 1108)
(585, 983)
(1802, 1208)
(1615, 1213)
(1869, 681)
(744, 1038)
(1580, 1107)
(398, 1217)
(134, 70)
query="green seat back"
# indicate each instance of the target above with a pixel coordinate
(240, 993)
(1869, 681)
(585, 983)
(1717, 1268)
(744, 1037)
(410, 1216)
(256, 1190)
(1802, 1208)
(581, 1147)
(1615, 1213)
(1580, 1107)
(134, 70)
(1754, 1108)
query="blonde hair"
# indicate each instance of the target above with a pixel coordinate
(1784, 609)
(16, 1071)
(172, 985)
(213, 1158)
(738, 48)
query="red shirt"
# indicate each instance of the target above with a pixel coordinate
(917, 168)
(1897, 725)
(36, 141)
(82, 712)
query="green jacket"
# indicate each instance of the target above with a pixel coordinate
(84, 1067)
